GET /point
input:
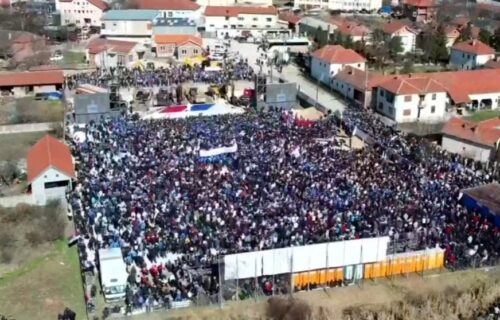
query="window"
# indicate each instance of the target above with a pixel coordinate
(381, 92)
(241, 18)
(407, 98)
(195, 51)
(433, 109)
(224, 26)
(359, 65)
(169, 14)
(269, 19)
(433, 96)
(183, 51)
(240, 26)
(268, 26)
(212, 25)
(407, 112)
(380, 106)
(56, 184)
(254, 26)
(130, 58)
(254, 19)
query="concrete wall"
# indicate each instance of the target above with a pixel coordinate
(26, 127)
(324, 72)
(40, 194)
(127, 28)
(466, 149)
(242, 21)
(13, 201)
(22, 91)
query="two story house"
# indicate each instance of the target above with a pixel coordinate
(471, 54)
(81, 12)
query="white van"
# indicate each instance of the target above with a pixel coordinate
(113, 272)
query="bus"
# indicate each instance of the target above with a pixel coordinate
(292, 45)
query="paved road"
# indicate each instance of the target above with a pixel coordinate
(290, 73)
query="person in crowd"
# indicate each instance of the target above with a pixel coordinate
(143, 187)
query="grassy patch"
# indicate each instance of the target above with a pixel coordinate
(483, 115)
(15, 146)
(73, 57)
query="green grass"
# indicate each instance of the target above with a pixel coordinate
(43, 287)
(73, 57)
(483, 115)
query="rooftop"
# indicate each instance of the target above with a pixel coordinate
(46, 153)
(235, 11)
(474, 46)
(178, 39)
(97, 3)
(168, 5)
(485, 132)
(31, 78)
(100, 45)
(175, 22)
(131, 14)
(289, 17)
(487, 195)
(352, 28)
(420, 3)
(395, 26)
(338, 54)
(412, 85)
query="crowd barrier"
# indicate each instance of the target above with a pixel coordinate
(397, 264)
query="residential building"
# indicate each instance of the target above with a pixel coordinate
(175, 26)
(81, 12)
(230, 21)
(353, 29)
(129, 25)
(464, 89)
(407, 34)
(354, 5)
(423, 11)
(178, 46)
(478, 141)
(412, 99)
(50, 170)
(290, 21)
(452, 34)
(329, 60)
(321, 31)
(172, 8)
(22, 84)
(106, 53)
(471, 54)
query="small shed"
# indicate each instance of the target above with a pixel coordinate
(50, 170)
(486, 199)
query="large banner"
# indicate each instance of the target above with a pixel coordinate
(305, 258)
(218, 151)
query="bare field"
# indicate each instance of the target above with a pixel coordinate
(416, 296)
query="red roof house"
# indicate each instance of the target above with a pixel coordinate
(475, 47)
(335, 54)
(173, 5)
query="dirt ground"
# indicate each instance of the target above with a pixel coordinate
(334, 301)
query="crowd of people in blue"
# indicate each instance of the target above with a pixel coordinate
(163, 76)
(144, 187)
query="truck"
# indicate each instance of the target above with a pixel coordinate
(113, 274)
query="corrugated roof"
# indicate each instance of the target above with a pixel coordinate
(222, 11)
(46, 153)
(31, 78)
(338, 54)
(168, 5)
(178, 39)
(484, 133)
(131, 14)
(474, 46)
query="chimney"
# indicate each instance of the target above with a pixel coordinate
(10, 35)
(409, 75)
(473, 42)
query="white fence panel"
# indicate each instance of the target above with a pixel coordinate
(352, 253)
(336, 252)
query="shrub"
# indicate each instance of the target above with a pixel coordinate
(6, 255)
(34, 237)
(53, 223)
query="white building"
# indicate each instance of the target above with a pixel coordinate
(232, 20)
(228, 3)
(471, 54)
(81, 12)
(172, 8)
(408, 35)
(478, 141)
(129, 25)
(106, 53)
(412, 99)
(50, 170)
(329, 60)
(341, 5)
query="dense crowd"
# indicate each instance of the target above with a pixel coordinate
(163, 76)
(143, 187)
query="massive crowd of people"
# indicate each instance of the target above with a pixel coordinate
(143, 187)
(163, 76)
